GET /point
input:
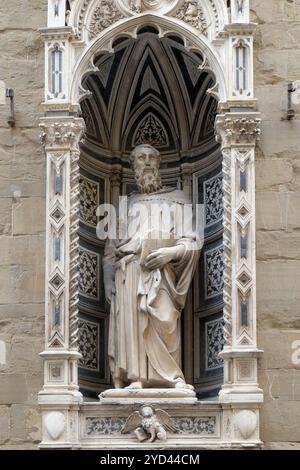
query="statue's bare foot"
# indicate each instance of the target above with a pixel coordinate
(183, 385)
(135, 385)
(119, 383)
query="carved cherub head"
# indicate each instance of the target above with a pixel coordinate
(145, 161)
(192, 10)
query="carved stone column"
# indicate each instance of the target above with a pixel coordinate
(238, 134)
(240, 395)
(61, 138)
(115, 184)
(186, 179)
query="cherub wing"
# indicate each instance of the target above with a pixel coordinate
(133, 422)
(165, 420)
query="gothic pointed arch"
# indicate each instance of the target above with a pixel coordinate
(149, 81)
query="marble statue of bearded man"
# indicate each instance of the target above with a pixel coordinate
(147, 290)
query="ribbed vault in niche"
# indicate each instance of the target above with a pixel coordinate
(152, 90)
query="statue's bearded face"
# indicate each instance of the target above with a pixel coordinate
(146, 162)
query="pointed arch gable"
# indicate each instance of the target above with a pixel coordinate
(166, 26)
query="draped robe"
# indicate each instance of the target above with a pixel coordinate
(146, 305)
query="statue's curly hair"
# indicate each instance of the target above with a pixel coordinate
(138, 149)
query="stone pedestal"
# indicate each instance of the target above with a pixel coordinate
(127, 396)
(199, 425)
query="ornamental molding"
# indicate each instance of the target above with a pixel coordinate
(93, 16)
(105, 14)
(74, 250)
(95, 426)
(151, 131)
(61, 134)
(227, 241)
(238, 129)
(191, 12)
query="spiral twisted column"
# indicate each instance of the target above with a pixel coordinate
(74, 253)
(227, 242)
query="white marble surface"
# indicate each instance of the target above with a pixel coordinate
(147, 395)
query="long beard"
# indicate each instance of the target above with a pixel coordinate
(148, 183)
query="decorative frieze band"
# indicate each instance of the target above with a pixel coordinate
(204, 425)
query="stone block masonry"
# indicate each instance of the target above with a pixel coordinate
(22, 223)
(277, 53)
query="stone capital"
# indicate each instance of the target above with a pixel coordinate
(116, 178)
(238, 129)
(61, 133)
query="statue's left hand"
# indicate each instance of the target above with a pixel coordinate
(159, 258)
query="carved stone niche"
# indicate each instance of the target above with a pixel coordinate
(68, 421)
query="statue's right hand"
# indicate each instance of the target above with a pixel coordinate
(159, 258)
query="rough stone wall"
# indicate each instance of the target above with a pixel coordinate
(22, 223)
(277, 61)
(22, 219)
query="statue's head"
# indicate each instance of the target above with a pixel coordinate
(192, 10)
(147, 412)
(145, 161)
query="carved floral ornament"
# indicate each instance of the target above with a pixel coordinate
(133, 7)
(107, 12)
(238, 130)
(192, 13)
(61, 134)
